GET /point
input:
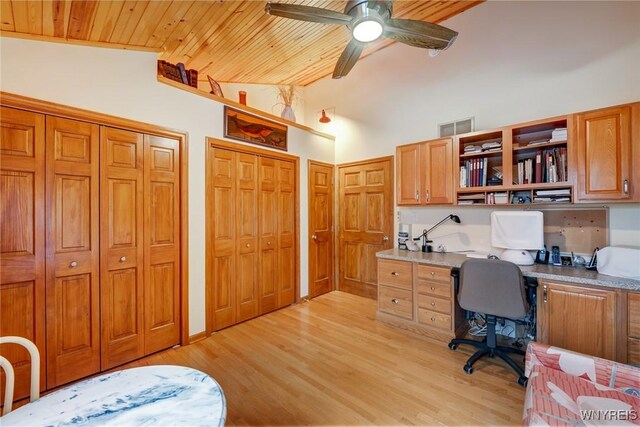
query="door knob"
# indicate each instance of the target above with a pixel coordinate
(314, 237)
(395, 300)
(73, 264)
(269, 243)
(248, 245)
(123, 258)
(385, 239)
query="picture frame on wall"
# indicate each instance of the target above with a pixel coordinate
(246, 127)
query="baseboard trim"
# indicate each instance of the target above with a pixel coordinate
(197, 337)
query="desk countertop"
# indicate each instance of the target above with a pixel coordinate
(565, 274)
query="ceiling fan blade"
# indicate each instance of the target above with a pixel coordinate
(419, 33)
(307, 13)
(348, 59)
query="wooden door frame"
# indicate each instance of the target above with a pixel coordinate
(246, 149)
(336, 234)
(59, 110)
(333, 199)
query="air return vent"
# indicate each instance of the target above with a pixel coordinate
(457, 127)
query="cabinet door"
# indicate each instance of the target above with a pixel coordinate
(408, 175)
(72, 245)
(161, 243)
(577, 318)
(604, 154)
(121, 246)
(437, 167)
(222, 219)
(22, 244)
(246, 222)
(286, 233)
(268, 208)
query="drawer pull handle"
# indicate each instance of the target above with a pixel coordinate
(393, 273)
(433, 288)
(123, 258)
(395, 300)
(625, 186)
(433, 319)
(433, 303)
(433, 273)
(73, 264)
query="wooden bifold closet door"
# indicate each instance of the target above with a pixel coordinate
(252, 252)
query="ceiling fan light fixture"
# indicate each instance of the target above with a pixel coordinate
(367, 30)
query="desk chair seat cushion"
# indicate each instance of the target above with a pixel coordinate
(493, 287)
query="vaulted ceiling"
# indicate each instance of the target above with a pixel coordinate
(233, 41)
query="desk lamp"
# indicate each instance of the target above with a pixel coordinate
(426, 247)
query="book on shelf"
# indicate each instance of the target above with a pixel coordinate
(183, 73)
(559, 135)
(475, 196)
(193, 78)
(551, 199)
(538, 142)
(554, 192)
(465, 202)
(463, 176)
(178, 73)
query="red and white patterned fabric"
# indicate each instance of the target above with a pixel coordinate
(571, 389)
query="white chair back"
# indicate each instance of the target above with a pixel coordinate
(34, 354)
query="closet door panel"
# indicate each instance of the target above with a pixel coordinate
(22, 243)
(223, 166)
(121, 294)
(162, 243)
(72, 300)
(246, 236)
(268, 226)
(286, 234)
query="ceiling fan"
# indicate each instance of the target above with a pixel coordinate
(368, 20)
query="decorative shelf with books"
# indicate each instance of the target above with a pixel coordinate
(480, 157)
(540, 152)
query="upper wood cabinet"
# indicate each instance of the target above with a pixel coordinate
(577, 318)
(425, 173)
(604, 151)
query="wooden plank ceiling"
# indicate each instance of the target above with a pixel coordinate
(233, 41)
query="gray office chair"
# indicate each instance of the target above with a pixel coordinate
(497, 289)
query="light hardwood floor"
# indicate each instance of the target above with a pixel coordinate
(329, 362)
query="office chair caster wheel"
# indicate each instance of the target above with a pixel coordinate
(468, 369)
(453, 346)
(522, 381)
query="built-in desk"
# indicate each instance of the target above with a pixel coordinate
(578, 309)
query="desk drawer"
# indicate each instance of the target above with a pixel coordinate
(634, 314)
(395, 301)
(440, 305)
(434, 288)
(435, 319)
(395, 273)
(432, 273)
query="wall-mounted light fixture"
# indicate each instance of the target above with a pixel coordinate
(324, 118)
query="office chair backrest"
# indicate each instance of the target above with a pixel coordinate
(34, 355)
(493, 287)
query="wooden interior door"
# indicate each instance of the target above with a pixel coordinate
(604, 154)
(366, 223)
(559, 307)
(320, 228)
(246, 244)
(161, 243)
(72, 245)
(22, 243)
(268, 226)
(409, 191)
(121, 246)
(437, 171)
(221, 283)
(287, 254)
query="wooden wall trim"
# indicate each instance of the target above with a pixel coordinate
(90, 43)
(45, 107)
(250, 149)
(242, 107)
(60, 110)
(363, 162)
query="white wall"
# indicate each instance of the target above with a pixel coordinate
(513, 62)
(123, 83)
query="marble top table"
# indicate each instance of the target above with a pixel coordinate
(149, 396)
